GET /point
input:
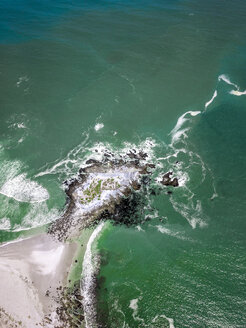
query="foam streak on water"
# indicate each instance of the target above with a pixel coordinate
(88, 283)
(170, 320)
(211, 100)
(177, 132)
(227, 80)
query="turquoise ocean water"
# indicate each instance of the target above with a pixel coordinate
(164, 76)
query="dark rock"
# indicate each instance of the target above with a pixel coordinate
(92, 161)
(175, 182)
(168, 181)
(152, 166)
(144, 170)
(135, 162)
(132, 155)
(81, 170)
(142, 155)
(136, 185)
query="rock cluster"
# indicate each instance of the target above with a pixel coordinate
(99, 191)
(168, 181)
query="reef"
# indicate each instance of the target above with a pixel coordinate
(102, 190)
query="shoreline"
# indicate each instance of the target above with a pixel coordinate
(36, 273)
(32, 273)
(50, 278)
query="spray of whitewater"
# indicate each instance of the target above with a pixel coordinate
(90, 266)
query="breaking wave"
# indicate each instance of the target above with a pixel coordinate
(77, 157)
(23, 200)
(15, 184)
(88, 284)
(23, 189)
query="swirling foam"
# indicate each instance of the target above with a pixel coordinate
(15, 185)
(24, 190)
(165, 230)
(98, 126)
(5, 223)
(77, 157)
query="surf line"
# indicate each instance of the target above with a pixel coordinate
(236, 92)
(211, 100)
(88, 281)
(227, 80)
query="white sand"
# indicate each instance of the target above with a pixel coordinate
(28, 268)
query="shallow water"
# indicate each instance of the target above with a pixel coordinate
(164, 76)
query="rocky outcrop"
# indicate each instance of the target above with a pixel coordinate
(168, 181)
(99, 188)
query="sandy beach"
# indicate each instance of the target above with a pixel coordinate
(32, 272)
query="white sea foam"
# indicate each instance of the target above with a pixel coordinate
(21, 140)
(37, 216)
(226, 79)
(17, 125)
(47, 261)
(167, 231)
(215, 195)
(87, 289)
(23, 189)
(21, 80)
(177, 132)
(98, 126)
(78, 156)
(16, 185)
(183, 162)
(139, 228)
(170, 320)
(134, 306)
(211, 100)
(116, 307)
(69, 165)
(5, 224)
(191, 211)
(111, 183)
(238, 93)
(19, 187)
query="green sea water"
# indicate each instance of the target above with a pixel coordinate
(167, 77)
